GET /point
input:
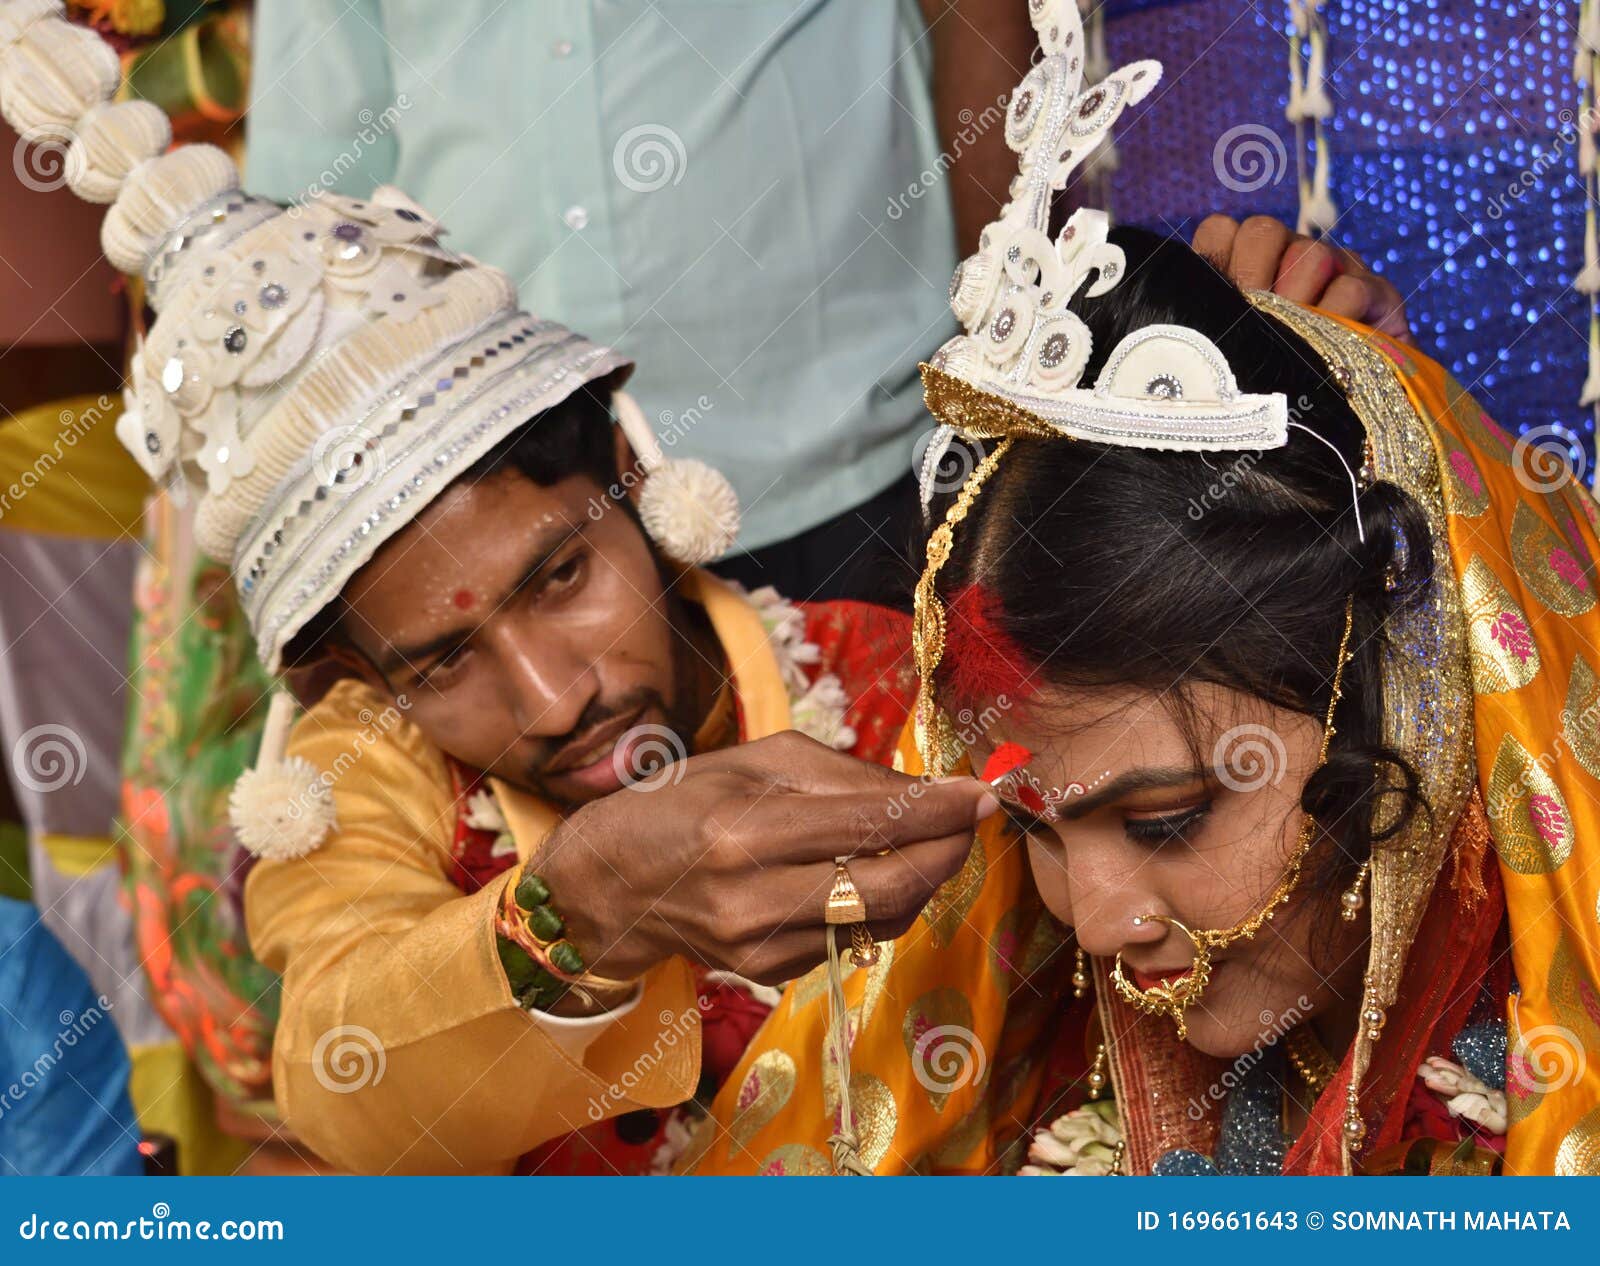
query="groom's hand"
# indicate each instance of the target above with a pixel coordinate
(1266, 254)
(727, 858)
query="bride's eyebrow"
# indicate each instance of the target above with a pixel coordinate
(1147, 778)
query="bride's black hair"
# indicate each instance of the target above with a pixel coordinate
(1126, 566)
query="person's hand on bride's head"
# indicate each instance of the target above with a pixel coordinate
(1266, 254)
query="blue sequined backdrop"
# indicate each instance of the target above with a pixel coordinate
(1441, 107)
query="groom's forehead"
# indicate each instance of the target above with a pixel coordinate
(475, 534)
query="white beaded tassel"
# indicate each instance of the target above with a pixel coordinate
(283, 808)
(689, 508)
(1309, 103)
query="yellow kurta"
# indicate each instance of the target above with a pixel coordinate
(400, 1048)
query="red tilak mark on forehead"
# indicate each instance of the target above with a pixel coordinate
(1003, 761)
(981, 662)
(464, 599)
(1030, 799)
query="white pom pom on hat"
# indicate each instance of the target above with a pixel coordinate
(53, 71)
(689, 508)
(156, 195)
(283, 808)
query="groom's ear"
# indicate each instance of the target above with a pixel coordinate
(335, 659)
(630, 473)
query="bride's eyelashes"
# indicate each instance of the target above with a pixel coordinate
(1167, 828)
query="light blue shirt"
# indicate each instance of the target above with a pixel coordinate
(744, 195)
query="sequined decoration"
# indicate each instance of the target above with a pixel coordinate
(1252, 1142)
(1444, 107)
(1481, 1050)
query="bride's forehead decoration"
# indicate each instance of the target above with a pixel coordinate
(1017, 370)
(316, 374)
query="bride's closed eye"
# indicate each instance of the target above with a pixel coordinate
(1166, 828)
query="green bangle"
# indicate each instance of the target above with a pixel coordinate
(531, 891)
(564, 957)
(543, 922)
(542, 994)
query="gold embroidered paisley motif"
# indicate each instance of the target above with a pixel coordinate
(1524, 1089)
(876, 1116)
(1576, 1002)
(945, 1054)
(1581, 504)
(1465, 493)
(762, 1094)
(1504, 654)
(954, 898)
(1579, 1153)
(1580, 716)
(795, 1160)
(1545, 562)
(1478, 426)
(1528, 817)
(857, 1018)
(810, 987)
(1572, 507)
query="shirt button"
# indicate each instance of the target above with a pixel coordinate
(561, 48)
(576, 217)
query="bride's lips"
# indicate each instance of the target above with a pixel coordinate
(1153, 979)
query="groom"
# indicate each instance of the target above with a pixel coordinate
(532, 694)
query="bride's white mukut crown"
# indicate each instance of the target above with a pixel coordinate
(316, 374)
(1020, 364)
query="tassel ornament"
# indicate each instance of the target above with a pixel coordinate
(283, 808)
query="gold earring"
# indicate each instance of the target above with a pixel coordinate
(1097, 1072)
(1351, 899)
(1080, 975)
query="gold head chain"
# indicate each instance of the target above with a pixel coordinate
(935, 734)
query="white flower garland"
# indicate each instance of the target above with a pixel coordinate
(817, 706)
(1084, 1143)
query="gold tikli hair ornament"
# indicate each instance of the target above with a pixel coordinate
(1175, 997)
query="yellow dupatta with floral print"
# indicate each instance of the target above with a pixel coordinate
(951, 1028)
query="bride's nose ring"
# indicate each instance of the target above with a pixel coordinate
(1170, 997)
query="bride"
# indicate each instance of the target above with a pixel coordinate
(1309, 777)
(1284, 659)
